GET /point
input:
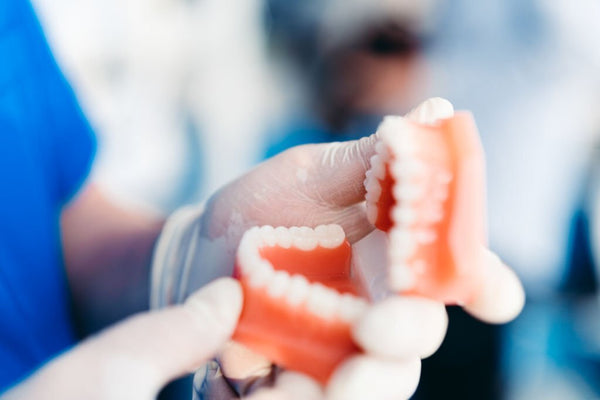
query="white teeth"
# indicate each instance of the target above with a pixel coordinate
(317, 296)
(268, 236)
(425, 236)
(431, 111)
(323, 301)
(401, 277)
(408, 192)
(298, 290)
(409, 168)
(372, 212)
(373, 191)
(284, 238)
(278, 284)
(377, 167)
(351, 307)
(404, 215)
(261, 274)
(404, 244)
(330, 236)
(433, 214)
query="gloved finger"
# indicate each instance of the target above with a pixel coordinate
(291, 386)
(340, 170)
(137, 357)
(354, 221)
(243, 368)
(343, 165)
(501, 297)
(402, 328)
(365, 377)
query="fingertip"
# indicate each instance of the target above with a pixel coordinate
(219, 303)
(402, 328)
(364, 377)
(501, 297)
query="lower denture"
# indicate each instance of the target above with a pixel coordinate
(309, 332)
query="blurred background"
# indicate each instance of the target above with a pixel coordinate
(187, 94)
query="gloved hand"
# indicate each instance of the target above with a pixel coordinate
(312, 185)
(134, 359)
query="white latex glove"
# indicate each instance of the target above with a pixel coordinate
(134, 359)
(312, 185)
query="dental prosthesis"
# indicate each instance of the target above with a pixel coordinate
(425, 189)
(301, 297)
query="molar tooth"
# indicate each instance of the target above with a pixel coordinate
(351, 307)
(298, 290)
(278, 284)
(402, 277)
(303, 238)
(267, 234)
(283, 236)
(261, 273)
(330, 236)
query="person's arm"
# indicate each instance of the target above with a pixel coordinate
(107, 252)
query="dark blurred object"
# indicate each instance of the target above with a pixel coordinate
(368, 66)
(467, 366)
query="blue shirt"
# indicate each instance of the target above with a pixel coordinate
(46, 148)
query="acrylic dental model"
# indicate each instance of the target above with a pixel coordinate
(425, 189)
(300, 297)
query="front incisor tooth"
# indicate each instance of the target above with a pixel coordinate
(284, 238)
(261, 273)
(351, 307)
(278, 284)
(298, 290)
(402, 277)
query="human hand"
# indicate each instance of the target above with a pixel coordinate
(312, 185)
(135, 358)
(394, 334)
